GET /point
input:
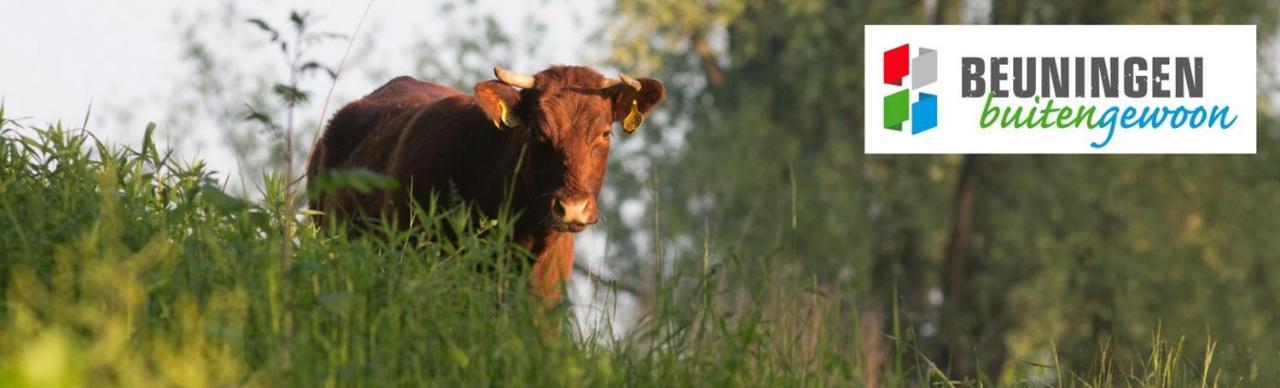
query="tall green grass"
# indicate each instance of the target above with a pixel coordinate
(131, 267)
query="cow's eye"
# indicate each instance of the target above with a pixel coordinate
(607, 133)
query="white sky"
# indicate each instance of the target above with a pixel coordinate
(127, 54)
(59, 54)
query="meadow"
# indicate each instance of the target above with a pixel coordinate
(132, 266)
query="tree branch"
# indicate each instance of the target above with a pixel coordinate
(603, 281)
(710, 64)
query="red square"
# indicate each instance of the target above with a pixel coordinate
(897, 64)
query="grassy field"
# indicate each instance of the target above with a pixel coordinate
(131, 267)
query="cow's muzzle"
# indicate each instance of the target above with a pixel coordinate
(573, 215)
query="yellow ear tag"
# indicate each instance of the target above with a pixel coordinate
(509, 118)
(633, 119)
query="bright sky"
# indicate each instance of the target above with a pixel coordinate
(59, 54)
(128, 54)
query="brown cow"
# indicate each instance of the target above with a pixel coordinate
(438, 141)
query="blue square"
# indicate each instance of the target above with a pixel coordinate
(924, 113)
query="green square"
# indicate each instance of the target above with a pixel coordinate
(897, 109)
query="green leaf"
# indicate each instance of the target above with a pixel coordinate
(262, 24)
(148, 144)
(221, 200)
(290, 95)
(313, 66)
(299, 20)
(361, 180)
(260, 117)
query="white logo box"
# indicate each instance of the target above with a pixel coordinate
(1229, 78)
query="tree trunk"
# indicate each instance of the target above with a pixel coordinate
(957, 336)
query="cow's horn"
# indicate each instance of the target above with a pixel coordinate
(633, 83)
(622, 78)
(523, 81)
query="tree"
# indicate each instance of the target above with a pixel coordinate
(992, 259)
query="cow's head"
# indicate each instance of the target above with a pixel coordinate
(565, 117)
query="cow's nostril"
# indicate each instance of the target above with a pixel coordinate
(557, 209)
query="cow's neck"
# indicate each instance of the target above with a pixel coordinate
(552, 257)
(502, 163)
(552, 250)
(553, 266)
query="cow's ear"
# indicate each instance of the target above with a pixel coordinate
(632, 107)
(499, 102)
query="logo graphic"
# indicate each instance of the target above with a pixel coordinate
(898, 107)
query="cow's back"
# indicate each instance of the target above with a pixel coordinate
(363, 133)
(354, 122)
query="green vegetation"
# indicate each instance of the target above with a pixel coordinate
(996, 260)
(127, 267)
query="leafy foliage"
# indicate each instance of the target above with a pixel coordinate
(361, 180)
(766, 105)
